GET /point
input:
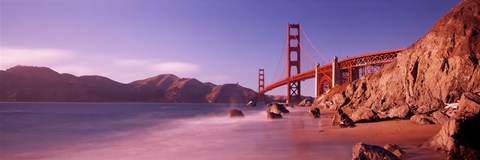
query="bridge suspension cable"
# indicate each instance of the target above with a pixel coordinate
(304, 52)
(282, 53)
(325, 61)
(311, 60)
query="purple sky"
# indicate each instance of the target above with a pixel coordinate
(222, 41)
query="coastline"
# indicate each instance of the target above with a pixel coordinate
(145, 132)
(408, 135)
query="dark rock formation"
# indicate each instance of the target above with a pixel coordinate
(362, 151)
(251, 103)
(459, 136)
(275, 110)
(235, 113)
(342, 120)
(395, 149)
(314, 112)
(306, 102)
(271, 115)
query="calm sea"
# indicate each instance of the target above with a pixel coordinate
(150, 131)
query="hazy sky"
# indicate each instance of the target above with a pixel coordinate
(221, 41)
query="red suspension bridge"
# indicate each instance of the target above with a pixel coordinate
(327, 75)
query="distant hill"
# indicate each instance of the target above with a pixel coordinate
(41, 84)
(230, 93)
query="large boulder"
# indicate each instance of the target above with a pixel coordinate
(364, 115)
(362, 151)
(275, 110)
(342, 120)
(235, 113)
(271, 115)
(314, 112)
(459, 136)
(306, 102)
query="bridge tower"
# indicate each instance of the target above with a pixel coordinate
(261, 85)
(293, 61)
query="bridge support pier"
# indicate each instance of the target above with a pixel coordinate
(336, 75)
(293, 62)
(261, 85)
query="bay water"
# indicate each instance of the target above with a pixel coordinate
(152, 131)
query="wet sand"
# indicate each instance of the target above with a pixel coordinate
(408, 135)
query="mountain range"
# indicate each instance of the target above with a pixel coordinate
(42, 84)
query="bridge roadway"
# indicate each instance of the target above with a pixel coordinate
(349, 64)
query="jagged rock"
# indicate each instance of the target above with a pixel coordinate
(439, 117)
(275, 110)
(459, 136)
(306, 102)
(271, 115)
(395, 149)
(314, 112)
(362, 151)
(469, 104)
(420, 119)
(251, 103)
(341, 119)
(401, 112)
(236, 113)
(364, 115)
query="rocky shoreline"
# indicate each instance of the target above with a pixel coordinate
(434, 81)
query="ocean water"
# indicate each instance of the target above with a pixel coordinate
(150, 131)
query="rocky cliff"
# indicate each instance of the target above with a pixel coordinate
(41, 84)
(433, 71)
(424, 84)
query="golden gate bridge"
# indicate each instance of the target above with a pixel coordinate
(328, 75)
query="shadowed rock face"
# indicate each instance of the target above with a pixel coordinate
(235, 113)
(459, 136)
(275, 110)
(314, 112)
(433, 71)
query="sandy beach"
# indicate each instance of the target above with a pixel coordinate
(408, 135)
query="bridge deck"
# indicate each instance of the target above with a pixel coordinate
(375, 58)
